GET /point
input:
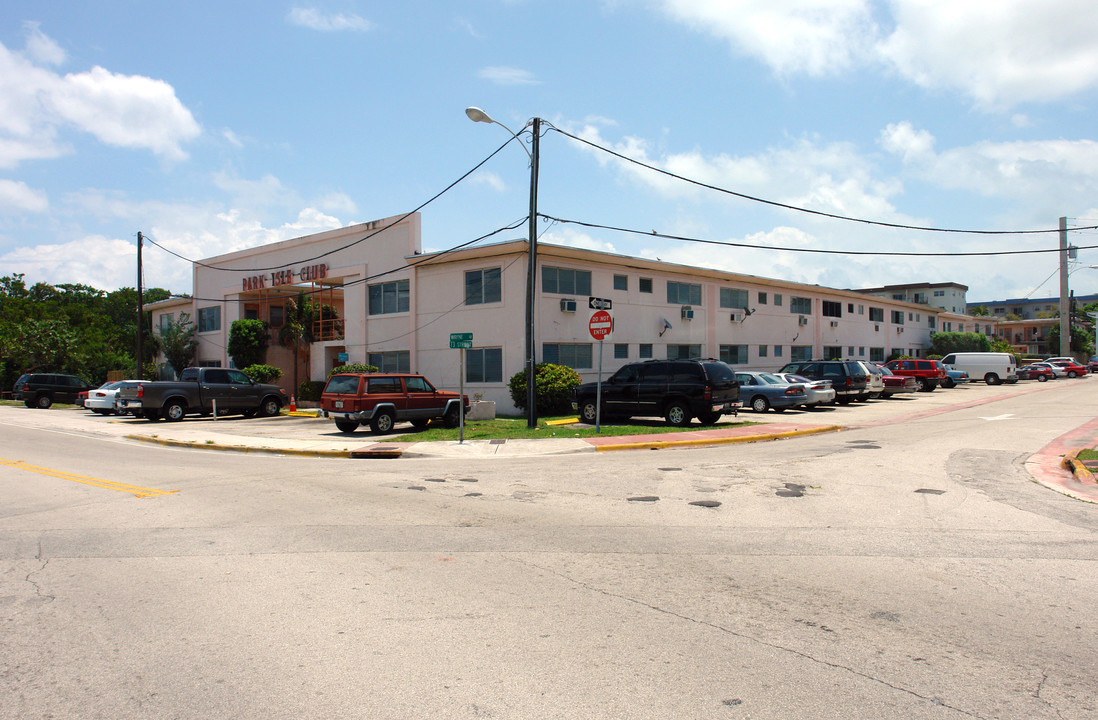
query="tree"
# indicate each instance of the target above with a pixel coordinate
(177, 342)
(297, 329)
(979, 311)
(248, 341)
(553, 388)
(1080, 340)
(944, 343)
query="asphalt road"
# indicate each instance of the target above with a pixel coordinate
(893, 570)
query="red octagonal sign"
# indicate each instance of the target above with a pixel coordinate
(601, 324)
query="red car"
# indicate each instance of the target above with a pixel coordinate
(927, 373)
(896, 383)
(1070, 368)
(1040, 373)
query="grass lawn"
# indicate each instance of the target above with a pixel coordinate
(507, 428)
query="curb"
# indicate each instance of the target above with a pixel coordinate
(764, 437)
(239, 448)
(1072, 462)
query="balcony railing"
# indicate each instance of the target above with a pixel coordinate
(330, 329)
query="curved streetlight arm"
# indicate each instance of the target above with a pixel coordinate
(477, 115)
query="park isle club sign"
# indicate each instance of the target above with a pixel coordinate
(308, 273)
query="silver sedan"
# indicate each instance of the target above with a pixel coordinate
(817, 392)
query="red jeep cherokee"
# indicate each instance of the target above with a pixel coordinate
(928, 373)
(384, 399)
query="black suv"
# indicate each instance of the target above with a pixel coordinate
(846, 376)
(43, 389)
(676, 390)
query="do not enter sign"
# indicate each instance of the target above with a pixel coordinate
(601, 324)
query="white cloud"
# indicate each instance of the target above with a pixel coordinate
(997, 53)
(19, 197)
(508, 76)
(95, 260)
(121, 110)
(232, 137)
(491, 179)
(327, 22)
(41, 48)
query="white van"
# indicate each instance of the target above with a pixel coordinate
(991, 367)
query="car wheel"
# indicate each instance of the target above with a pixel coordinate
(452, 418)
(709, 418)
(589, 412)
(174, 411)
(677, 415)
(383, 422)
(992, 379)
(1042, 378)
(1072, 374)
(759, 404)
(43, 402)
(346, 426)
(948, 383)
(926, 385)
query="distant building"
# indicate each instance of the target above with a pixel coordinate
(1029, 308)
(948, 296)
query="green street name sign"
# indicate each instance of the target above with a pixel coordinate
(461, 340)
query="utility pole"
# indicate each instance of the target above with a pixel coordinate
(1065, 311)
(531, 281)
(140, 311)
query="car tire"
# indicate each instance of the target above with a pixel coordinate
(948, 383)
(926, 385)
(174, 411)
(759, 404)
(43, 402)
(1042, 378)
(589, 412)
(452, 418)
(383, 422)
(270, 407)
(1072, 374)
(992, 379)
(677, 415)
(709, 418)
(346, 426)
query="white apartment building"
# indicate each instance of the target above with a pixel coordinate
(396, 308)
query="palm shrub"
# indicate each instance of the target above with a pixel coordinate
(554, 386)
(262, 373)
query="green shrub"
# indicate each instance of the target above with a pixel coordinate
(310, 389)
(553, 388)
(262, 373)
(353, 369)
(248, 341)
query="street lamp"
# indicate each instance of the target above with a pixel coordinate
(477, 115)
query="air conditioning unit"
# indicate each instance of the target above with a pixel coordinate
(899, 330)
(876, 328)
(737, 316)
(687, 312)
(802, 320)
(834, 323)
(567, 305)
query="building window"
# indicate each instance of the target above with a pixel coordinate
(800, 305)
(277, 314)
(877, 354)
(209, 363)
(762, 298)
(876, 314)
(388, 298)
(165, 321)
(939, 293)
(621, 282)
(684, 293)
(209, 319)
(644, 352)
(800, 353)
(832, 352)
(732, 298)
(683, 352)
(762, 351)
(644, 285)
(483, 286)
(861, 351)
(830, 308)
(251, 313)
(484, 365)
(777, 351)
(777, 300)
(574, 355)
(565, 281)
(621, 351)
(734, 354)
(850, 351)
(850, 308)
(861, 309)
(897, 317)
(388, 362)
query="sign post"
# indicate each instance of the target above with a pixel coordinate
(461, 341)
(600, 326)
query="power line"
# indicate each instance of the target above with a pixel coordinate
(808, 211)
(820, 251)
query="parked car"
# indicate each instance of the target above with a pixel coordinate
(676, 390)
(1070, 367)
(954, 377)
(1039, 372)
(817, 392)
(895, 384)
(42, 390)
(1056, 370)
(1092, 364)
(991, 367)
(384, 399)
(847, 377)
(763, 391)
(926, 373)
(874, 383)
(101, 400)
(201, 391)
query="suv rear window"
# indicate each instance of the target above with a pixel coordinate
(343, 385)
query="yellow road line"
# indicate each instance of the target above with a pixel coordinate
(96, 482)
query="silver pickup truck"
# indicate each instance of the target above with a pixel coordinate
(202, 391)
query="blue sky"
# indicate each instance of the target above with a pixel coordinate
(213, 127)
